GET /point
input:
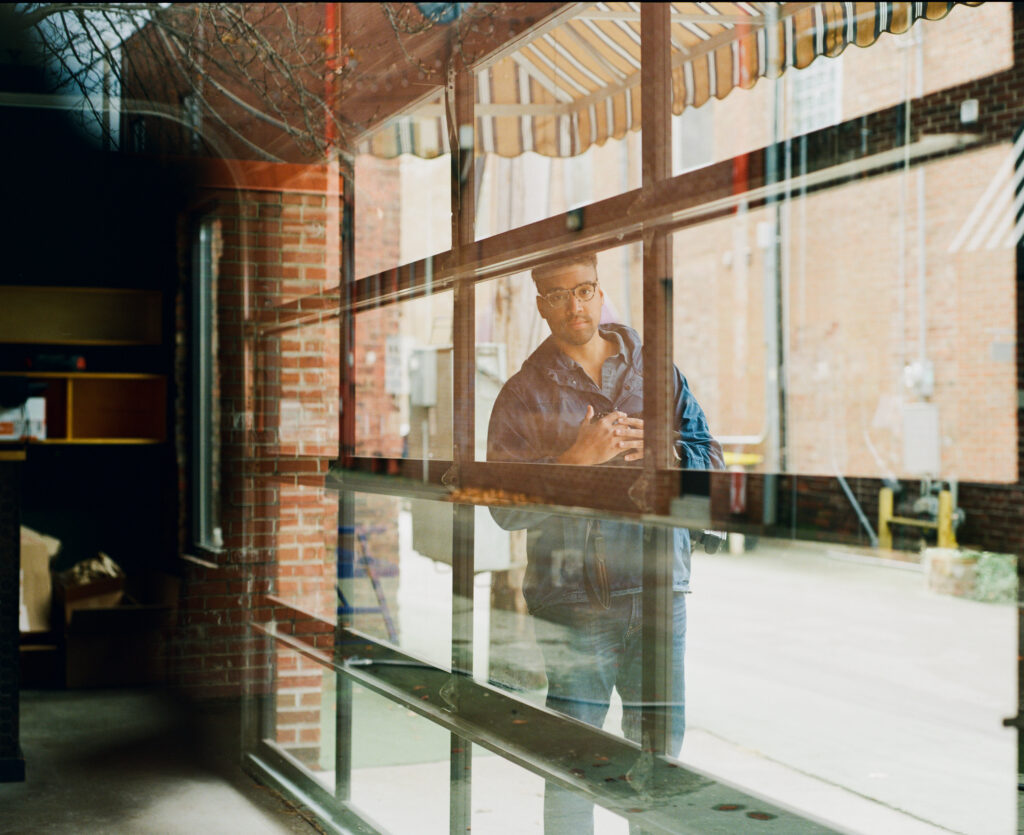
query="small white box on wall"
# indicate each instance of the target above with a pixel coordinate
(35, 412)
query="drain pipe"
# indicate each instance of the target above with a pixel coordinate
(774, 448)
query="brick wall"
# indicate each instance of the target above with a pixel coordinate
(279, 376)
(279, 379)
(841, 297)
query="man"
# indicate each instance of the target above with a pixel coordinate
(578, 400)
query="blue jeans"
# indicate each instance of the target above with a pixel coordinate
(588, 651)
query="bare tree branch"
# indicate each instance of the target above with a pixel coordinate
(261, 73)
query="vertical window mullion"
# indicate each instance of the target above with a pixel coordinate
(657, 594)
(459, 108)
(346, 449)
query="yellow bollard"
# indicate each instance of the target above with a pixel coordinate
(884, 515)
(947, 539)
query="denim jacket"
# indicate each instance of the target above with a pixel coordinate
(535, 418)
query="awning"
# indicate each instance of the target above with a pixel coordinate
(578, 83)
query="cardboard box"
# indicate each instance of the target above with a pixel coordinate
(98, 594)
(36, 586)
(120, 646)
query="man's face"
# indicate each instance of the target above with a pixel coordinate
(576, 322)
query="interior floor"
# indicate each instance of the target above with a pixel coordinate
(136, 761)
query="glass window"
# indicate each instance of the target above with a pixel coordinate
(843, 315)
(206, 402)
(393, 747)
(395, 576)
(403, 361)
(304, 714)
(509, 325)
(403, 192)
(852, 318)
(558, 121)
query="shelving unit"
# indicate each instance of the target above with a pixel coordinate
(87, 407)
(98, 479)
(102, 408)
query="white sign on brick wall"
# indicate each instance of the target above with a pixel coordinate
(396, 364)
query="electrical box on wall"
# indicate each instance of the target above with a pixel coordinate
(921, 443)
(423, 377)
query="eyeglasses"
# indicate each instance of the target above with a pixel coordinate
(560, 298)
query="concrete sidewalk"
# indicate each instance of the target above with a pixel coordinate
(818, 677)
(836, 684)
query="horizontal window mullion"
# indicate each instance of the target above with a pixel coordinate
(273, 766)
(648, 789)
(558, 488)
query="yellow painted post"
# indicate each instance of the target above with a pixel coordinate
(947, 539)
(884, 515)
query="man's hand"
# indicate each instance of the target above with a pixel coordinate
(601, 440)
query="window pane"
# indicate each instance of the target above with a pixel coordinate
(304, 714)
(887, 336)
(558, 122)
(403, 192)
(304, 522)
(400, 771)
(403, 361)
(509, 327)
(508, 798)
(208, 246)
(868, 683)
(396, 584)
(559, 620)
(830, 91)
(302, 385)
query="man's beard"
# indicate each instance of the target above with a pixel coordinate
(577, 336)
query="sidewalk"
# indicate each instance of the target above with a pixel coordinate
(805, 664)
(823, 679)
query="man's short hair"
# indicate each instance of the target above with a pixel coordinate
(544, 271)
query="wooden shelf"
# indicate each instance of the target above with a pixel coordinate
(102, 408)
(80, 315)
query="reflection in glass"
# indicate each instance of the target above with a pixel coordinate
(509, 325)
(304, 372)
(558, 122)
(830, 91)
(580, 649)
(394, 578)
(851, 673)
(402, 192)
(305, 533)
(869, 383)
(508, 798)
(304, 714)
(399, 766)
(403, 360)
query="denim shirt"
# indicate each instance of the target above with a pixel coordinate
(536, 418)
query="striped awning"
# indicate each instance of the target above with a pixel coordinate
(578, 83)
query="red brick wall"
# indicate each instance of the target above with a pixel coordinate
(279, 375)
(279, 356)
(979, 398)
